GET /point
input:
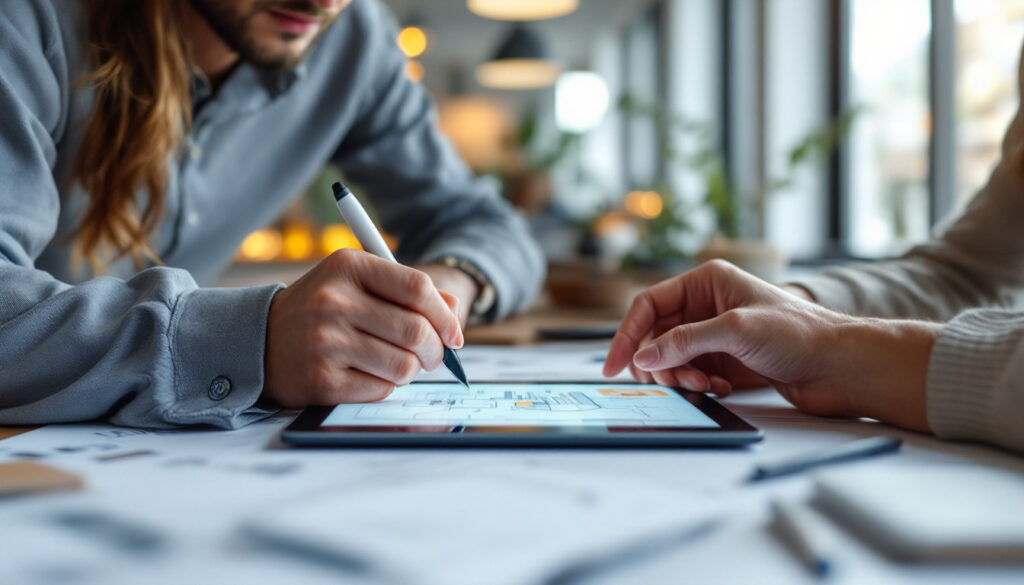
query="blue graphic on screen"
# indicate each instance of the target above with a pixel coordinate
(498, 404)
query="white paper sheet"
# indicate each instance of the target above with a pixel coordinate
(490, 526)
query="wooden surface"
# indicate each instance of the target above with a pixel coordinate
(7, 432)
(523, 329)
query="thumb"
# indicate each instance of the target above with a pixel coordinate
(682, 344)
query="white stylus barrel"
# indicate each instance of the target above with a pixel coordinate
(371, 241)
(360, 224)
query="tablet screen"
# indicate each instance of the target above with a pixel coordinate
(525, 405)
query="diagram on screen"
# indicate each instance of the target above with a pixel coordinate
(533, 404)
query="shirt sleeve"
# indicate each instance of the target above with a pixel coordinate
(152, 351)
(978, 261)
(422, 191)
(974, 385)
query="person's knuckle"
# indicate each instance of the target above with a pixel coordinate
(414, 332)
(420, 285)
(318, 337)
(345, 255)
(641, 300)
(678, 338)
(322, 300)
(348, 262)
(407, 368)
(737, 319)
(719, 266)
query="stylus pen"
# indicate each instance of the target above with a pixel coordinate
(371, 241)
(808, 538)
(844, 452)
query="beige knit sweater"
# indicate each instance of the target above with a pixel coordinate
(972, 277)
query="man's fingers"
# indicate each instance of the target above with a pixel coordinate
(400, 327)
(383, 360)
(356, 386)
(412, 289)
(682, 344)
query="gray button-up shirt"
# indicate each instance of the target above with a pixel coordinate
(149, 348)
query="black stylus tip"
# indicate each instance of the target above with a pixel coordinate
(454, 365)
(339, 190)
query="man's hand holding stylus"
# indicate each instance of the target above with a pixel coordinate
(353, 328)
(716, 328)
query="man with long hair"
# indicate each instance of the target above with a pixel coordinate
(932, 341)
(140, 141)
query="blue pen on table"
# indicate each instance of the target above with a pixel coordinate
(371, 241)
(839, 453)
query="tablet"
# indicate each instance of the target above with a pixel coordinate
(521, 414)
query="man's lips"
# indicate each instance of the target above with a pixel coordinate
(299, 24)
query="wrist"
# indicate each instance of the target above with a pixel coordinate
(887, 369)
(455, 282)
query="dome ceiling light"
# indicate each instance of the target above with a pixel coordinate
(520, 10)
(521, 62)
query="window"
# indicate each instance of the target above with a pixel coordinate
(988, 42)
(887, 203)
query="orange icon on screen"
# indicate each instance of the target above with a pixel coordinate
(629, 393)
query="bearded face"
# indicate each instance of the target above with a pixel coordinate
(270, 34)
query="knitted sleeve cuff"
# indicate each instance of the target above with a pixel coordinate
(974, 389)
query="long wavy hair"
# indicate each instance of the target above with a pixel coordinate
(139, 70)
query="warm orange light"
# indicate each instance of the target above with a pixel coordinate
(521, 9)
(337, 236)
(413, 41)
(261, 246)
(414, 70)
(478, 127)
(609, 222)
(645, 204)
(517, 73)
(298, 242)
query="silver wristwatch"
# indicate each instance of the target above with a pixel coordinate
(484, 303)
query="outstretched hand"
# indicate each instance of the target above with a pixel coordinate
(716, 328)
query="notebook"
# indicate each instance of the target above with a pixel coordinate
(956, 513)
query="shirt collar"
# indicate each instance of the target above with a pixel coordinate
(246, 89)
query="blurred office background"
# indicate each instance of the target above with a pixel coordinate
(631, 132)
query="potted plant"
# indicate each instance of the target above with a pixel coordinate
(730, 207)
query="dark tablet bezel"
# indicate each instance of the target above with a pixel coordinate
(305, 430)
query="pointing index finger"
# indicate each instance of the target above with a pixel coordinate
(637, 322)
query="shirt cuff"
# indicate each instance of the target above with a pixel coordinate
(967, 372)
(218, 338)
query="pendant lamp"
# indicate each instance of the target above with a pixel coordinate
(521, 62)
(520, 10)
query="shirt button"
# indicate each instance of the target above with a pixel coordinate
(220, 387)
(194, 150)
(192, 218)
